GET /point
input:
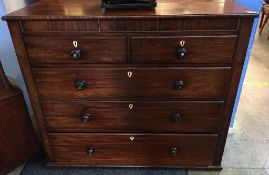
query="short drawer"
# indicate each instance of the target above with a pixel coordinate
(183, 49)
(134, 83)
(133, 116)
(76, 49)
(127, 25)
(133, 149)
(59, 25)
(198, 24)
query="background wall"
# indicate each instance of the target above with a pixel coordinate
(7, 53)
(12, 5)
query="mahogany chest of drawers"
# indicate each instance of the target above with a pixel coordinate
(132, 87)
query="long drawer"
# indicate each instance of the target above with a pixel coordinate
(183, 49)
(107, 25)
(133, 116)
(133, 83)
(76, 49)
(133, 149)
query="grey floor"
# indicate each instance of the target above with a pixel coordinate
(247, 148)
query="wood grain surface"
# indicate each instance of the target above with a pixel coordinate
(114, 84)
(145, 149)
(195, 117)
(81, 9)
(129, 57)
(200, 49)
(92, 49)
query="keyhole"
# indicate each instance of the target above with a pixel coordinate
(75, 44)
(130, 74)
(182, 43)
(131, 106)
(132, 138)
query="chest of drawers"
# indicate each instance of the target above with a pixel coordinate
(132, 87)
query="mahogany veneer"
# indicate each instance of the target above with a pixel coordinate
(18, 140)
(167, 116)
(145, 83)
(145, 149)
(93, 49)
(201, 49)
(132, 87)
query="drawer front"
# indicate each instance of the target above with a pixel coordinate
(134, 83)
(197, 49)
(135, 149)
(128, 25)
(199, 24)
(76, 50)
(188, 24)
(133, 116)
(59, 26)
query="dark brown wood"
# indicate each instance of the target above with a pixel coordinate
(93, 49)
(15, 30)
(201, 49)
(185, 167)
(133, 25)
(129, 33)
(240, 54)
(197, 117)
(18, 141)
(198, 24)
(39, 26)
(4, 86)
(128, 25)
(81, 9)
(145, 149)
(128, 80)
(149, 83)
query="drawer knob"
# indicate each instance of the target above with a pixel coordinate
(179, 85)
(174, 152)
(81, 85)
(177, 118)
(90, 151)
(182, 52)
(75, 54)
(86, 118)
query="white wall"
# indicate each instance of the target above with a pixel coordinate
(7, 53)
(12, 5)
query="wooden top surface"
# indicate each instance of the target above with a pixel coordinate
(91, 9)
